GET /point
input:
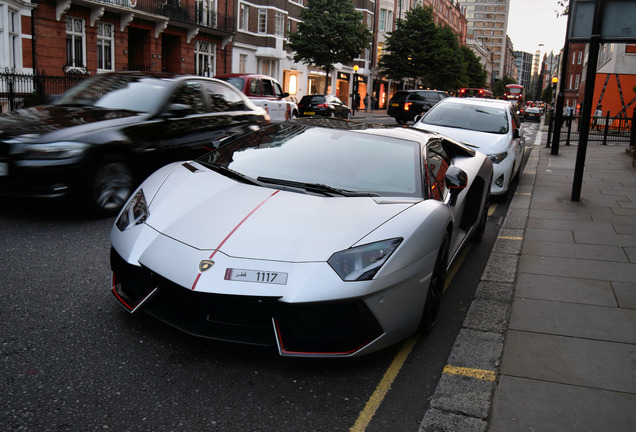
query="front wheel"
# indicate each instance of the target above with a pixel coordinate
(436, 288)
(109, 186)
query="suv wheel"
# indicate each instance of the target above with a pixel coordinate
(109, 186)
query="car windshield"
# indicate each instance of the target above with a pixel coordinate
(491, 119)
(352, 161)
(237, 82)
(129, 92)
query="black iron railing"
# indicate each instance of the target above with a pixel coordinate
(196, 13)
(19, 90)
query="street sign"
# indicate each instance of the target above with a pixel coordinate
(618, 23)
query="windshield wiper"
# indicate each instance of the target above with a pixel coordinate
(221, 169)
(316, 187)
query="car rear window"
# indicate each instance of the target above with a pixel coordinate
(306, 100)
(400, 96)
(237, 82)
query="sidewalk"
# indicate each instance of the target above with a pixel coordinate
(549, 342)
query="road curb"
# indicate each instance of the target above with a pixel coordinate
(463, 402)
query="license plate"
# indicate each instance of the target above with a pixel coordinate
(395, 104)
(310, 113)
(4, 169)
(260, 276)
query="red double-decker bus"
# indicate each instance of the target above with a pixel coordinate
(474, 92)
(515, 93)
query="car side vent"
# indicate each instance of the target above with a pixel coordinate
(190, 167)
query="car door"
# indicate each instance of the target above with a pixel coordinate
(272, 101)
(517, 137)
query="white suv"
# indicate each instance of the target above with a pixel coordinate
(265, 92)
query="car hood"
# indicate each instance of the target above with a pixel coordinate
(58, 122)
(488, 143)
(207, 211)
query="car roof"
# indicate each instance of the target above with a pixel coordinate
(477, 101)
(244, 75)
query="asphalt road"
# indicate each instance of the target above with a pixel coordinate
(73, 360)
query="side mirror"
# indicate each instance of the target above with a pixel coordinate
(285, 94)
(178, 110)
(456, 181)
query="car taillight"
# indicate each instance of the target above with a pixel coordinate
(322, 105)
(407, 106)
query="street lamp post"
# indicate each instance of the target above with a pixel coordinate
(355, 89)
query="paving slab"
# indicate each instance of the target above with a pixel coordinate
(578, 268)
(571, 290)
(540, 406)
(625, 294)
(567, 360)
(574, 320)
(575, 250)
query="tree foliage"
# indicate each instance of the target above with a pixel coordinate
(419, 49)
(331, 32)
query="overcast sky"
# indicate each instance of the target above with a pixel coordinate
(534, 22)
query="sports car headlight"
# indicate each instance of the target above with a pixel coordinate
(135, 212)
(57, 150)
(496, 158)
(363, 262)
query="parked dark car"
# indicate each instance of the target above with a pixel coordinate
(406, 105)
(323, 105)
(101, 138)
(532, 114)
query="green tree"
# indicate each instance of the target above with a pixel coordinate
(546, 96)
(412, 49)
(331, 32)
(419, 49)
(476, 74)
(450, 72)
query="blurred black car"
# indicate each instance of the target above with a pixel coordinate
(406, 105)
(323, 105)
(532, 114)
(104, 136)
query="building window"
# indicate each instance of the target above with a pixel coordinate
(262, 20)
(382, 25)
(576, 81)
(205, 58)
(75, 38)
(244, 17)
(105, 46)
(242, 63)
(206, 12)
(580, 58)
(10, 52)
(266, 66)
(279, 29)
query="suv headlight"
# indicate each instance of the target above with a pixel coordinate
(134, 213)
(496, 158)
(57, 150)
(363, 262)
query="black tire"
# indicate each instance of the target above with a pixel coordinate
(436, 288)
(109, 185)
(481, 228)
(348, 117)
